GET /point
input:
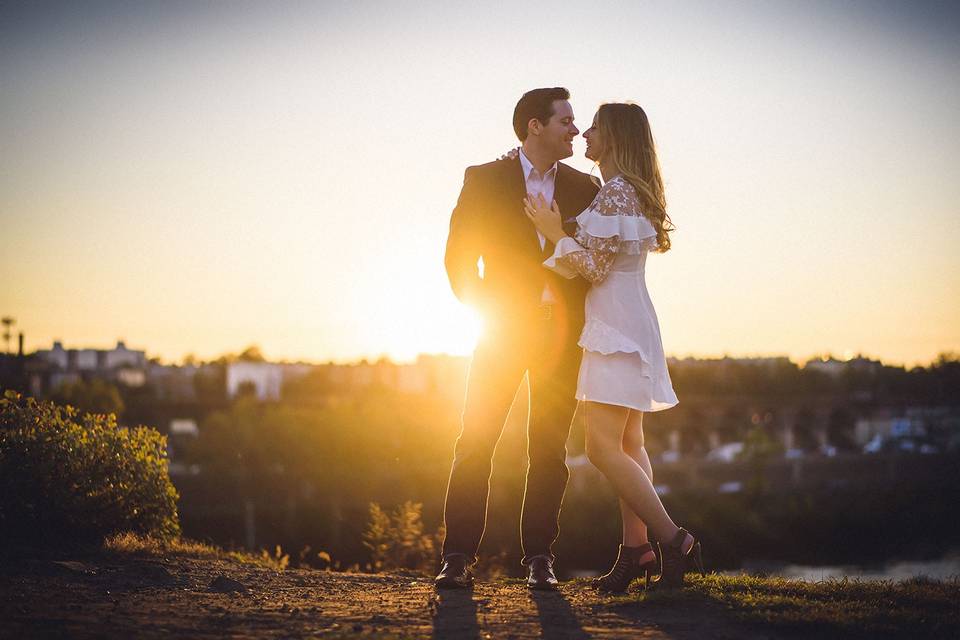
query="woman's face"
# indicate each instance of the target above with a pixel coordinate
(594, 142)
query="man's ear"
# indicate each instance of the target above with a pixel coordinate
(534, 126)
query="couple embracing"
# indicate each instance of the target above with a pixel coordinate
(564, 301)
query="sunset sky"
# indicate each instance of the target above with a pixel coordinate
(196, 177)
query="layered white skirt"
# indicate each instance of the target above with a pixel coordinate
(623, 359)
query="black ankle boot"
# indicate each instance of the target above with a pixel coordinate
(676, 562)
(627, 567)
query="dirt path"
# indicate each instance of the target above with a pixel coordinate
(126, 597)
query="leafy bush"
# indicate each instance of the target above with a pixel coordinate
(397, 540)
(67, 477)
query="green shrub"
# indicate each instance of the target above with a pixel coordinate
(397, 540)
(72, 478)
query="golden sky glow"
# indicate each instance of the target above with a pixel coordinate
(196, 178)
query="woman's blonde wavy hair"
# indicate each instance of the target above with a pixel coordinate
(628, 144)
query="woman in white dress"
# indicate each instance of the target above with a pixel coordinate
(624, 372)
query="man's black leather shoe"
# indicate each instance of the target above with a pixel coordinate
(454, 573)
(540, 574)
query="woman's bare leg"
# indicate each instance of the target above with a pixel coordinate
(605, 425)
(635, 529)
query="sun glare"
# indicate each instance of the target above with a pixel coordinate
(462, 335)
(455, 332)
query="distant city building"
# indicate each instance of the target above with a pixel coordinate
(835, 368)
(57, 366)
(266, 378)
(84, 359)
(294, 370)
(171, 382)
(726, 362)
(92, 359)
(123, 357)
(131, 377)
(829, 366)
(57, 355)
(865, 364)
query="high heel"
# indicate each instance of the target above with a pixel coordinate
(697, 557)
(675, 563)
(627, 568)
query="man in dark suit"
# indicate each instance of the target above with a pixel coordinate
(532, 321)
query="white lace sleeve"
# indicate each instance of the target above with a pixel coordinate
(613, 223)
(616, 211)
(570, 258)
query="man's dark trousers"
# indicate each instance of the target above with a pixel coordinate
(546, 351)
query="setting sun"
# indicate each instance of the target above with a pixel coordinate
(455, 333)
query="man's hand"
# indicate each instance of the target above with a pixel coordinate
(545, 218)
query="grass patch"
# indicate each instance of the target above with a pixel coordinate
(917, 608)
(135, 544)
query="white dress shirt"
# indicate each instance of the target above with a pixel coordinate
(539, 184)
(544, 185)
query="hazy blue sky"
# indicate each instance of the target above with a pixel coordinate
(196, 177)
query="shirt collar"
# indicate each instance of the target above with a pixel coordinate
(528, 167)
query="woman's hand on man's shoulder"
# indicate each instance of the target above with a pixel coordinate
(513, 154)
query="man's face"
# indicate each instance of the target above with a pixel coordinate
(556, 137)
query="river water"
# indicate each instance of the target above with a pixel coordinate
(945, 568)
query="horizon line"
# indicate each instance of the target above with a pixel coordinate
(823, 356)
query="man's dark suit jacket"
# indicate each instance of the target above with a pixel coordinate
(489, 223)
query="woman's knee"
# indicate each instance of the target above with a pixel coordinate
(633, 433)
(598, 450)
(633, 441)
(602, 443)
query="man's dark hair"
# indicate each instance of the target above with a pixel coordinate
(536, 103)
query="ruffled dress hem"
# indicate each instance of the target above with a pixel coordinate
(617, 369)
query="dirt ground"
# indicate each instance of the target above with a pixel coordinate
(107, 596)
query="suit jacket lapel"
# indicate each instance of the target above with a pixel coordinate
(517, 183)
(516, 190)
